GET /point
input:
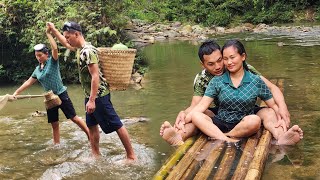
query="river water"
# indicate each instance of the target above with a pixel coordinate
(26, 145)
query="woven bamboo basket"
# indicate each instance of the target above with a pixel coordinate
(116, 66)
(51, 100)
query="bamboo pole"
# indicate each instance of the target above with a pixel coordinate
(200, 159)
(246, 157)
(187, 159)
(209, 163)
(260, 156)
(226, 163)
(174, 159)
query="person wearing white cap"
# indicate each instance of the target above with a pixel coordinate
(48, 74)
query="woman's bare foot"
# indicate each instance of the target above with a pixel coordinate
(169, 134)
(291, 137)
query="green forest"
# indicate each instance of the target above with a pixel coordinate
(22, 24)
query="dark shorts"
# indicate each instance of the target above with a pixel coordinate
(66, 107)
(104, 115)
(258, 108)
(223, 126)
(214, 110)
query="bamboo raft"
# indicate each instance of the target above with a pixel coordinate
(201, 158)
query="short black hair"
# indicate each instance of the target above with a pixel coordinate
(71, 26)
(207, 48)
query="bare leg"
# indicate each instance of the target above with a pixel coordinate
(190, 130)
(290, 137)
(248, 125)
(204, 123)
(56, 132)
(124, 137)
(94, 140)
(81, 124)
(269, 120)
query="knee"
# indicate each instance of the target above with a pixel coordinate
(55, 125)
(266, 113)
(254, 121)
(196, 116)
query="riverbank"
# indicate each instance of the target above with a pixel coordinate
(143, 33)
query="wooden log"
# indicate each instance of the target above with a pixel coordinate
(260, 157)
(246, 157)
(210, 161)
(174, 159)
(226, 163)
(197, 163)
(187, 159)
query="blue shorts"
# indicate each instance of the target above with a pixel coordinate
(223, 126)
(66, 107)
(104, 115)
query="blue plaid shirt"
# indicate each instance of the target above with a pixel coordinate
(236, 103)
(50, 77)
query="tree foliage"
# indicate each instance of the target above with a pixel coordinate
(23, 23)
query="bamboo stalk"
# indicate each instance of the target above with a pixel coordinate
(226, 164)
(199, 160)
(260, 156)
(28, 96)
(187, 159)
(174, 159)
(209, 163)
(246, 157)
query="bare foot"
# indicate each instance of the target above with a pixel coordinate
(169, 134)
(291, 137)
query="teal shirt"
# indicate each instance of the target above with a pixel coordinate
(50, 77)
(203, 78)
(236, 103)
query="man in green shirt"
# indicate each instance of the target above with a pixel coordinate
(212, 63)
(99, 109)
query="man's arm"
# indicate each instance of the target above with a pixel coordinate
(60, 37)
(94, 72)
(279, 100)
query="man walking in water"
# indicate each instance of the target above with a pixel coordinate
(99, 109)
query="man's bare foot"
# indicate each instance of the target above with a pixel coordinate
(291, 137)
(169, 134)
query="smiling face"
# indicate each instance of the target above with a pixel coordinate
(213, 63)
(233, 61)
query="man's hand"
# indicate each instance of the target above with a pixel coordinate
(179, 120)
(282, 123)
(90, 106)
(285, 115)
